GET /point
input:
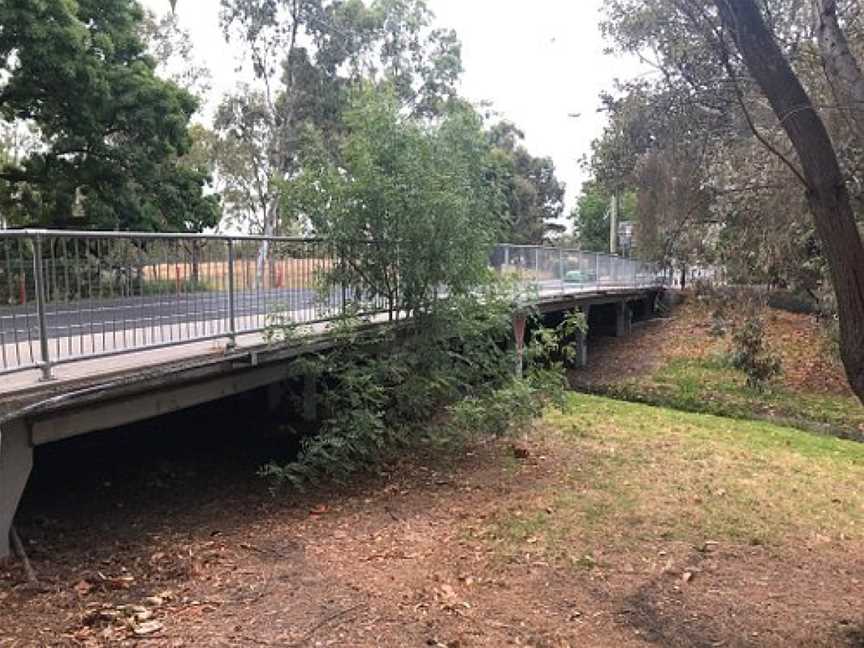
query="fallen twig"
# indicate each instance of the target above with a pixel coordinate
(325, 621)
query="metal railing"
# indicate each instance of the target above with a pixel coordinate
(68, 296)
(551, 270)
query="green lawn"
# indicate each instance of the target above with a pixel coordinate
(709, 385)
(637, 474)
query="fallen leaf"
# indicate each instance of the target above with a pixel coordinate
(83, 587)
(148, 628)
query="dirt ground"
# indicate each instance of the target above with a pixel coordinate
(406, 558)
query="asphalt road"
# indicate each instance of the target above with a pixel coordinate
(95, 316)
(101, 316)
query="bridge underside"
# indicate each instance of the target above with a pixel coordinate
(112, 392)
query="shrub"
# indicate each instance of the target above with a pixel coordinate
(751, 354)
(435, 379)
(170, 287)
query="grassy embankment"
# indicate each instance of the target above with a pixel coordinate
(690, 371)
(640, 475)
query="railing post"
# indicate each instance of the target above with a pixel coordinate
(232, 323)
(338, 259)
(597, 269)
(561, 264)
(39, 278)
(537, 251)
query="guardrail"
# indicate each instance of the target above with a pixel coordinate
(68, 296)
(551, 269)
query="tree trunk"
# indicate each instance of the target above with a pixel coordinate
(841, 67)
(826, 189)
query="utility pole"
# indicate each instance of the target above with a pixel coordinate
(613, 224)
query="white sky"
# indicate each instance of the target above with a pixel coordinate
(535, 62)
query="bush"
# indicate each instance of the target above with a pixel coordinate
(438, 378)
(751, 354)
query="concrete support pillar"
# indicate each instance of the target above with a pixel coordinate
(16, 462)
(623, 319)
(580, 344)
(520, 321)
(310, 398)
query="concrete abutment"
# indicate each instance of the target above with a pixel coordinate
(16, 462)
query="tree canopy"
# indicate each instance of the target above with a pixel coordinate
(745, 147)
(109, 131)
(535, 196)
(417, 205)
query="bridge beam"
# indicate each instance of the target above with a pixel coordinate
(580, 345)
(623, 319)
(16, 462)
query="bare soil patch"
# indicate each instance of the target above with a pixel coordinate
(192, 551)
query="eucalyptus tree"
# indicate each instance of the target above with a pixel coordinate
(819, 173)
(110, 132)
(752, 61)
(535, 196)
(306, 55)
(172, 48)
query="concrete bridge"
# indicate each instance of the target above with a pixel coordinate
(103, 330)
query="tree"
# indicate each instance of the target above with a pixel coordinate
(535, 196)
(591, 218)
(720, 60)
(841, 66)
(171, 47)
(110, 131)
(591, 215)
(820, 173)
(413, 209)
(307, 55)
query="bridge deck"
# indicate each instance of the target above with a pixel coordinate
(21, 389)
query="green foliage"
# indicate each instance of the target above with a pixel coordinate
(310, 56)
(591, 216)
(552, 347)
(432, 380)
(411, 208)
(535, 197)
(499, 412)
(110, 130)
(751, 354)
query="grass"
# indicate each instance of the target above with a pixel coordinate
(639, 474)
(709, 385)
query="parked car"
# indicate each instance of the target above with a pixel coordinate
(580, 277)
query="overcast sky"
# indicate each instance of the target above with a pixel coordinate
(536, 62)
